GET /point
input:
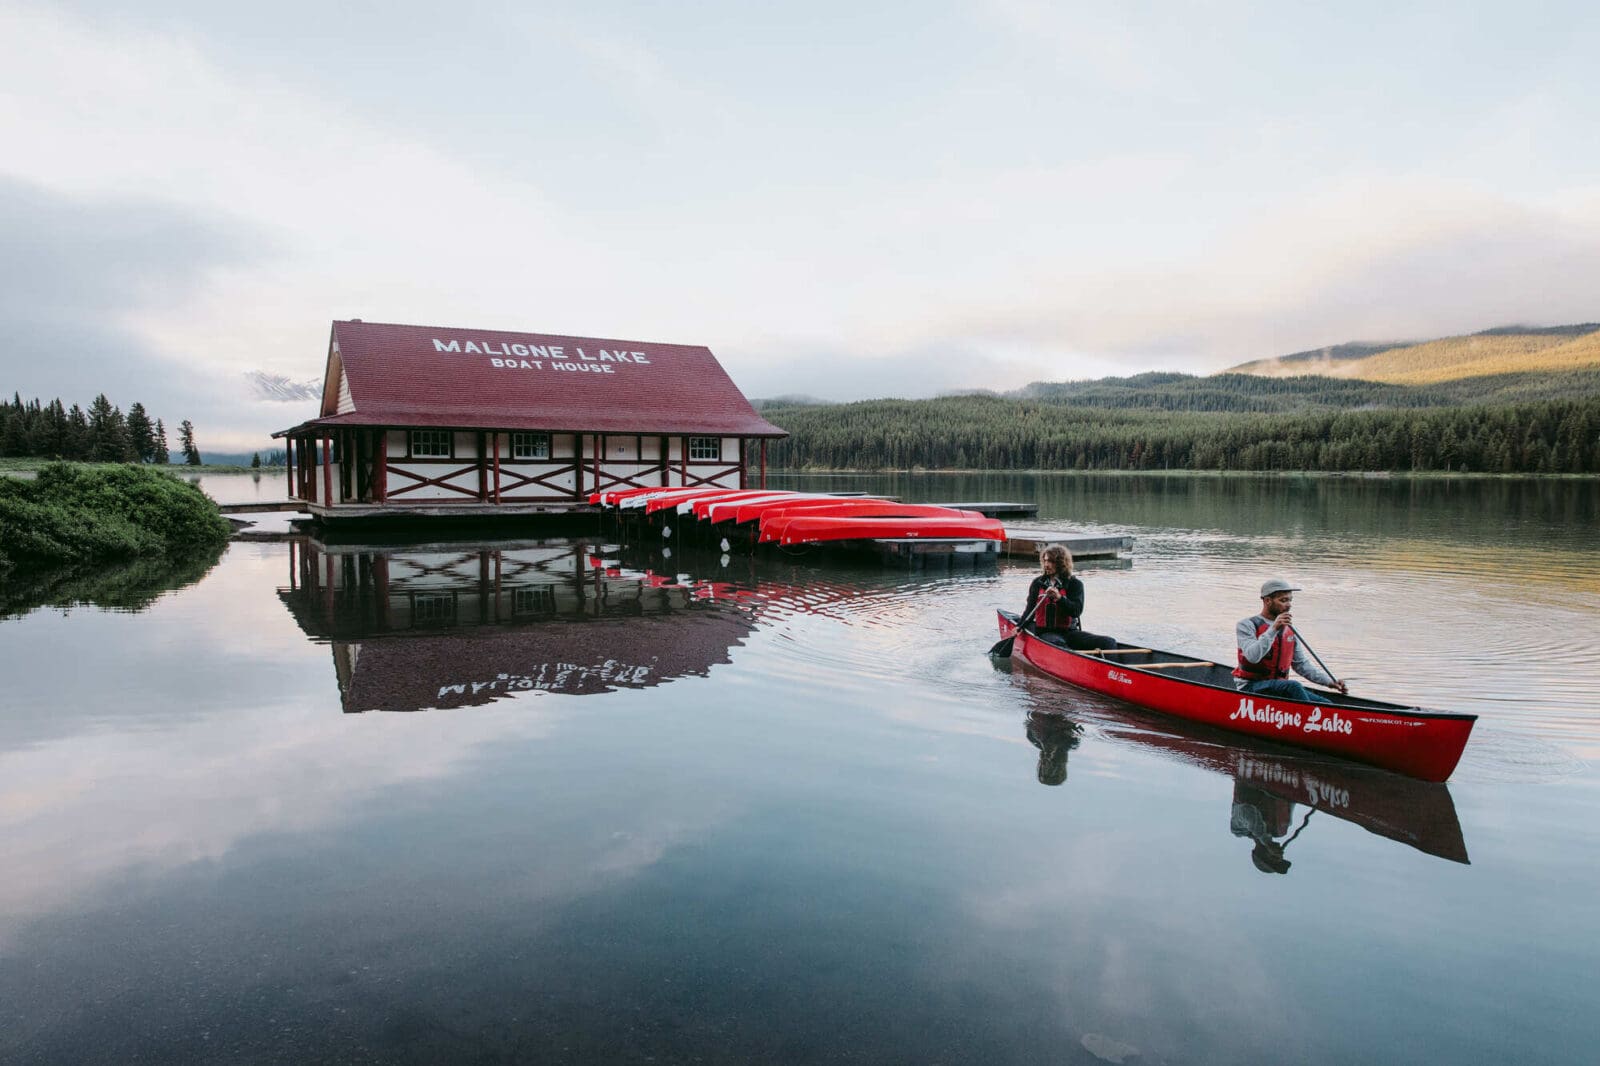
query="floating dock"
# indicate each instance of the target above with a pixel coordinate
(996, 510)
(263, 507)
(1030, 542)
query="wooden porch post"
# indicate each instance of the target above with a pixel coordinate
(599, 442)
(763, 462)
(497, 467)
(327, 478)
(683, 462)
(288, 463)
(741, 462)
(483, 471)
(380, 462)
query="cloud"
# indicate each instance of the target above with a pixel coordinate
(78, 272)
(1072, 194)
(1376, 259)
(826, 371)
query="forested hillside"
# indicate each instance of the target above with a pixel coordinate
(1520, 423)
(1250, 392)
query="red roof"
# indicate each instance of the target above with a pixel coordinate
(493, 379)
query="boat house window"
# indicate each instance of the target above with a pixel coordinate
(431, 443)
(530, 445)
(433, 609)
(541, 599)
(705, 448)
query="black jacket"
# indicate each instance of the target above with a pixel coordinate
(1065, 613)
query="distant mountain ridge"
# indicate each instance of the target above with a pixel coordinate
(1502, 350)
(1306, 362)
(278, 388)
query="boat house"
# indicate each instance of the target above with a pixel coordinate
(425, 420)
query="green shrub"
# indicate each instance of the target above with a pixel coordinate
(73, 514)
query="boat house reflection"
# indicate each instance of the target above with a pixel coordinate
(454, 625)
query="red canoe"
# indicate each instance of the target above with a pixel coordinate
(814, 529)
(1409, 740)
(775, 523)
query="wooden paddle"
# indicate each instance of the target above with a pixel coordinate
(1002, 649)
(1314, 655)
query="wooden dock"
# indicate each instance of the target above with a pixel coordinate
(1030, 542)
(995, 509)
(269, 507)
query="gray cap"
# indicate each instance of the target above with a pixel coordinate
(1276, 585)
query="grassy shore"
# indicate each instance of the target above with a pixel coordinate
(75, 513)
(203, 468)
(1355, 475)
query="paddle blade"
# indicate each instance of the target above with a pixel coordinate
(1002, 650)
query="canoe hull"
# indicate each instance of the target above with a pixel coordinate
(1419, 743)
(812, 529)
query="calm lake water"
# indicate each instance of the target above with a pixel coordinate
(563, 802)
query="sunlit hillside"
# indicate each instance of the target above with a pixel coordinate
(1476, 356)
(1452, 358)
(1320, 361)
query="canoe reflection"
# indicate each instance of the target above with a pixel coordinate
(1268, 785)
(455, 625)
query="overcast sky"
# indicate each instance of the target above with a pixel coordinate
(841, 199)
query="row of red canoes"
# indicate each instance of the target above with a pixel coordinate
(1410, 740)
(798, 518)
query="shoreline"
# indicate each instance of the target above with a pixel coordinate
(1354, 475)
(34, 463)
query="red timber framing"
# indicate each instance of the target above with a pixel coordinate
(368, 475)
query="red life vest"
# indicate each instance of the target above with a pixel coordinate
(1273, 665)
(1054, 615)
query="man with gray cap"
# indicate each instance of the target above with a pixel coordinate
(1268, 649)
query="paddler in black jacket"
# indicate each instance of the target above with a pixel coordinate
(1059, 619)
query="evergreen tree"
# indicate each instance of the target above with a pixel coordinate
(158, 442)
(141, 434)
(13, 428)
(119, 445)
(108, 432)
(191, 454)
(77, 446)
(255, 461)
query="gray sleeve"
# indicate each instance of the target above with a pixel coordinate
(1255, 648)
